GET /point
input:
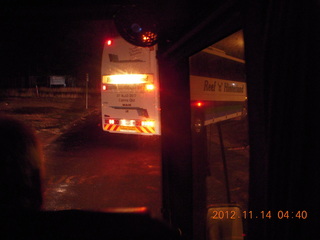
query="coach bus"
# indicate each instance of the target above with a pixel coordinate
(130, 89)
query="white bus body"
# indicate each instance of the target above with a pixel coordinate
(217, 85)
(129, 89)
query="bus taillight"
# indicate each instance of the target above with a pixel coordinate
(147, 123)
(104, 87)
(149, 87)
(112, 121)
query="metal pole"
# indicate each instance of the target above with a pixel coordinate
(200, 170)
(225, 170)
(87, 81)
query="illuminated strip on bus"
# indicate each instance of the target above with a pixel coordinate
(127, 79)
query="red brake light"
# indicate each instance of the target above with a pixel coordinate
(112, 121)
(199, 104)
(104, 87)
(109, 42)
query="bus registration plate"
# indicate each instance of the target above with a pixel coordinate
(126, 122)
(127, 128)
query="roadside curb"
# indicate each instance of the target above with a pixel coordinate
(51, 139)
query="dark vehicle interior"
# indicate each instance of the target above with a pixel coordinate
(281, 49)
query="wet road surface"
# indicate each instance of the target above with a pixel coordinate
(87, 168)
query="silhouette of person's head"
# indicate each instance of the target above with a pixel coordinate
(20, 166)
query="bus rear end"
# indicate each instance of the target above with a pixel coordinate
(129, 91)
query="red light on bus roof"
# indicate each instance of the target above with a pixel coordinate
(109, 42)
(199, 104)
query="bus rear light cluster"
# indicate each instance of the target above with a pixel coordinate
(112, 121)
(126, 122)
(104, 87)
(149, 87)
(147, 123)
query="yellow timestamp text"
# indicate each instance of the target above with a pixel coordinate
(280, 214)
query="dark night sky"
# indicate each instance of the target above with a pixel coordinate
(33, 44)
(51, 47)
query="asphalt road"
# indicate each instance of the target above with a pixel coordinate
(87, 168)
(236, 169)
